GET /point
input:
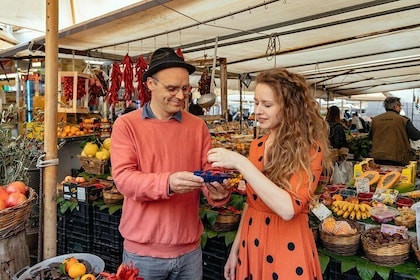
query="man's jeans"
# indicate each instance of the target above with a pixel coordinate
(185, 267)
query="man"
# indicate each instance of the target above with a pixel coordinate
(154, 152)
(390, 133)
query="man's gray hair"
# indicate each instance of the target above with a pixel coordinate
(390, 102)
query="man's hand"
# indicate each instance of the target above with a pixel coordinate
(184, 181)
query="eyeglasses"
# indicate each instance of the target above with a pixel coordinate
(173, 90)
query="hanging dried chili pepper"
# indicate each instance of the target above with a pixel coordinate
(128, 77)
(116, 79)
(179, 53)
(141, 67)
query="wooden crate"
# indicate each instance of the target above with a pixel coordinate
(74, 105)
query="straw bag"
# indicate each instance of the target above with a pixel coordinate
(342, 244)
(392, 253)
(14, 219)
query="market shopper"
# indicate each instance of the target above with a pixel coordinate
(274, 240)
(154, 152)
(391, 133)
(337, 134)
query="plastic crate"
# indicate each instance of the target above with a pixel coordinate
(112, 255)
(215, 255)
(106, 234)
(84, 192)
(79, 243)
(82, 211)
(103, 216)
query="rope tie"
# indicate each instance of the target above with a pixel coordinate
(44, 163)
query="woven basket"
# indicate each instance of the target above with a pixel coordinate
(93, 165)
(386, 254)
(407, 223)
(112, 196)
(415, 248)
(343, 244)
(14, 219)
(226, 222)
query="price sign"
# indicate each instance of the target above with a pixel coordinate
(321, 211)
(362, 185)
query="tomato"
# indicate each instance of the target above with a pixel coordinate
(17, 186)
(15, 198)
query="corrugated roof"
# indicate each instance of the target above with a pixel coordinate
(344, 48)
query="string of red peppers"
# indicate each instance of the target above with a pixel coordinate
(141, 67)
(116, 79)
(128, 77)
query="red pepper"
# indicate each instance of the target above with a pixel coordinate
(128, 77)
(116, 79)
(141, 67)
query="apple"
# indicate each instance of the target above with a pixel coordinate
(68, 178)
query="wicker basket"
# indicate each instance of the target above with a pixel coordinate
(112, 196)
(93, 165)
(226, 222)
(343, 244)
(386, 254)
(407, 223)
(14, 219)
(415, 248)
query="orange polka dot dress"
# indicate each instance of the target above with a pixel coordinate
(270, 247)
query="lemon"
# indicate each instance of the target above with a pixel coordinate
(90, 149)
(102, 154)
(107, 143)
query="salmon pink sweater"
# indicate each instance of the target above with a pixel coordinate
(144, 152)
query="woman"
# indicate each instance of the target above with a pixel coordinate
(337, 134)
(274, 240)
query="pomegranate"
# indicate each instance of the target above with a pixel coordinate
(3, 204)
(17, 186)
(15, 198)
(3, 194)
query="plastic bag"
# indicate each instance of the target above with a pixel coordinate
(343, 172)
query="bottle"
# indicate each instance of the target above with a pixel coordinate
(38, 106)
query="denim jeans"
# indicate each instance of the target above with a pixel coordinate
(185, 267)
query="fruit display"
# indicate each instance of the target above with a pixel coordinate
(331, 225)
(13, 194)
(70, 130)
(383, 214)
(351, 209)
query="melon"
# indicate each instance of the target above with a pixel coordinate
(372, 176)
(388, 180)
(404, 187)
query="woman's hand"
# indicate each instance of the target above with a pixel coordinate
(218, 191)
(229, 271)
(221, 157)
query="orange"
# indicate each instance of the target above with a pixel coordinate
(88, 277)
(68, 262)
(76, 270)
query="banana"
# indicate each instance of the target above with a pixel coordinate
(364, 215)
(336, 203)
(356, 207)
(346, 206)
(340, 212)
(346, 214)
(362, 207)
(358, 215)
(352, 215)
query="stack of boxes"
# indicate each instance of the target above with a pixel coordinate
(215, 255)
(89, 229)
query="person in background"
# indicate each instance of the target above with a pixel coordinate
(356, 123)
(154, 152)
(390, 134)
(274, 240)
(337, 135)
